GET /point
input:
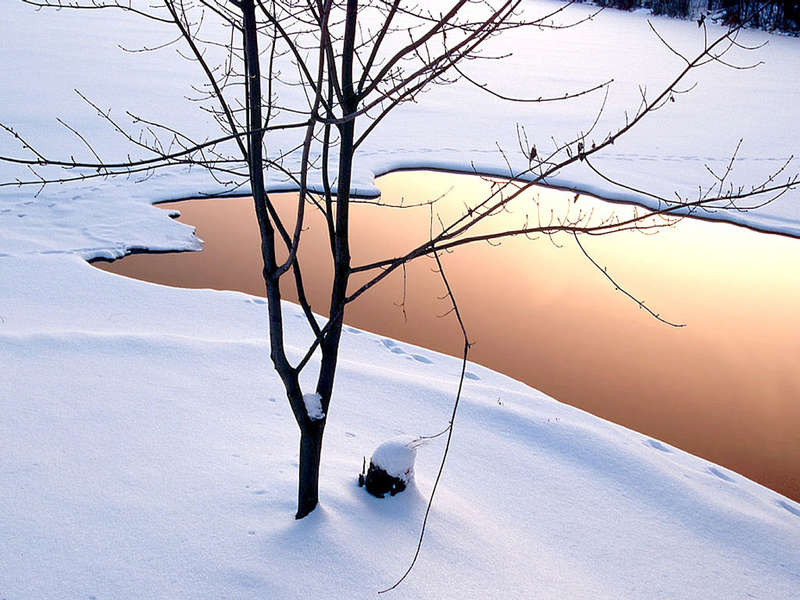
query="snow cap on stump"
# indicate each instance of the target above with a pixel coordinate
(391, 466)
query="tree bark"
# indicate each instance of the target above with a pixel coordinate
(312, 431)
(310, 453)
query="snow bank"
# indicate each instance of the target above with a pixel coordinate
(149, 452)
(667, 153)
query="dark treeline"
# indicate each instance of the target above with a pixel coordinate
(781, 15)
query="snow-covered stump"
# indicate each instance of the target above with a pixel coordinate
(391, 467)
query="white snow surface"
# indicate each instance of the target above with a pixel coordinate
(396, 456)
(48, 54)
(148, 450)
(313, 403)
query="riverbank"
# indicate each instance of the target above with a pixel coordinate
(149, 452)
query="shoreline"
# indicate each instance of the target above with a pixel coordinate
(436, 169)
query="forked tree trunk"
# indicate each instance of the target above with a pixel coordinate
(311, 431)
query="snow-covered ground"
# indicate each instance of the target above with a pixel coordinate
(148, 451)
(47, 55)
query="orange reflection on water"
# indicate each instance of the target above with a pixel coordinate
(726, 386)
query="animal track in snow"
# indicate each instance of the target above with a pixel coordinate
(785, 505)
(657, 445)
(395, 348)
(721, 474)
(392, 346)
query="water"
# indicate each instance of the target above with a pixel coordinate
(725, 387)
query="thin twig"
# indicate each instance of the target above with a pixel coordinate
(619, 288)
(449, 427)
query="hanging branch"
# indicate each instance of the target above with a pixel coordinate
(449, 428)
(618, 287)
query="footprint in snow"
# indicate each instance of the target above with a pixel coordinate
(472, 376)
(256, 301)
(352, 330)
(349, 434)
(721, 474)
(657, 445)
(794, 510)
(395, 348)
(392, 346)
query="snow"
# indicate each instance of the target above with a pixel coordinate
(667, 153)
(396, 457)
(148, 450)
(313, 403)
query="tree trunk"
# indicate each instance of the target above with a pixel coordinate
(311, 431)
(310, 452)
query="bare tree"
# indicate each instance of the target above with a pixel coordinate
(332, 71)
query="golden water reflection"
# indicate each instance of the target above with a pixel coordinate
(726, 386)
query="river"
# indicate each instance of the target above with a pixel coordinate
(726, 386)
